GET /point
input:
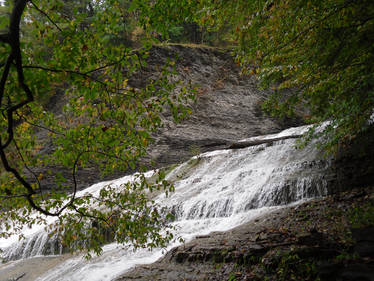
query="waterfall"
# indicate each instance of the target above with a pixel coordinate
(214, 191)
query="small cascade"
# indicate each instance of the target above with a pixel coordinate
(39, 244)
(214, 191)
(228, 182)
(37, 241)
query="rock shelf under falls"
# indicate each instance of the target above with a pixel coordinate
(214, 191)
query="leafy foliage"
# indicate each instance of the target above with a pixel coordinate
(58, 46)
(322, 51)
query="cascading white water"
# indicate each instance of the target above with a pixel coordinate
(214, 191)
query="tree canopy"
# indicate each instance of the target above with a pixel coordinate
(311, 53)
(78, 48)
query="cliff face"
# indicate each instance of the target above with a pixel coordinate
(319, 239)
(228, 108)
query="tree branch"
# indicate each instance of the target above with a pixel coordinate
(12, 196)
(39, 126)
(45, 14)
(15, 55)
(309, 28)
(83, 74)
(28, 168)
(65, 71)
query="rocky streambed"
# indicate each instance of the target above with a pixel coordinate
(329, 238)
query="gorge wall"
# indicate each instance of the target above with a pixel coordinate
(228, 108)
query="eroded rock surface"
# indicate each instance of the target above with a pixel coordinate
(227, 109)
(228, 106)
(304, 242)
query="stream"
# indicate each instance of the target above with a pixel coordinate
(214, 191)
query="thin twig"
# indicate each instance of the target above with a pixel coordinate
(306, 30)
(4, 77)
(65, 71)
(28, 168)
(39, 126)
(12, 196)
(45, 14)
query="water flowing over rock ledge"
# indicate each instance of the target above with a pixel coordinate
(214, 191)
(303, 242)
(244, 144)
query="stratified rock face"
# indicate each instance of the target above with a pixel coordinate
(227, 109)
(228, 106)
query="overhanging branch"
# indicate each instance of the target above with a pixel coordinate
(13, 39)
(46, 15)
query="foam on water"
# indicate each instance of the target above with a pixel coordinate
(215, 191)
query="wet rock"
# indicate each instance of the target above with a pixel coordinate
(364, 238)
(276, 243)
(358, 272)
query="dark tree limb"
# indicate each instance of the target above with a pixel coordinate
(45, 14)
(13, 39)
